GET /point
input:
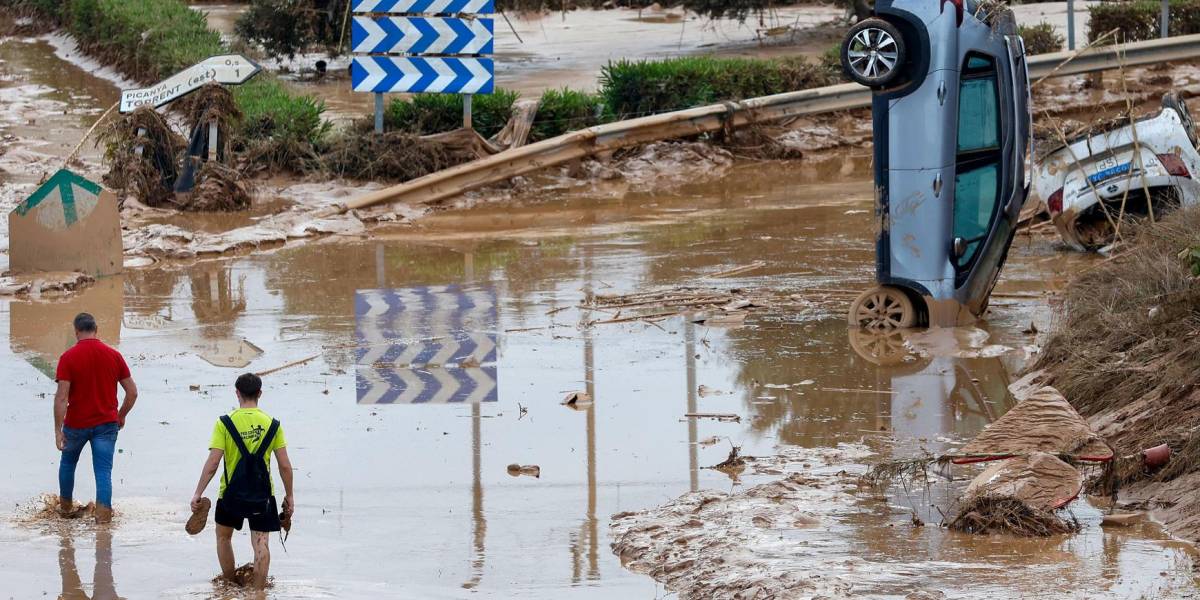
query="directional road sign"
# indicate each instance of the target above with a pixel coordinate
(428, 7)
(426, 345)
(422, 35)
(68, 224)
(228, 69)
(422, 74)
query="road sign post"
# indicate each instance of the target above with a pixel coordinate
(1070, 24)
(378, 112)
(227, 69)
(1165, 19)
(423, 46)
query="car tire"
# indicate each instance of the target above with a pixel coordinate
(867, 50)
(1172, 101)
(883, 308)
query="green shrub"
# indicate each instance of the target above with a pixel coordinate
(1040, 38)
(633, 88)
(423, 114)
(150, 40)
(561, 111)
(831, 62)
(1139, 19)
(286, 27)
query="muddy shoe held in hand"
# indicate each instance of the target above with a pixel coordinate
(199, 518)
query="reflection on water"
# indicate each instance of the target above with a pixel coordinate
(410, 483)
(73, 588)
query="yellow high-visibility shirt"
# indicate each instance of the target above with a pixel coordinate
(253, 424)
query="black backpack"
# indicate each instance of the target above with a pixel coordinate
(248, 489)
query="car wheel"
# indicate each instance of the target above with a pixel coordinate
(883, 308)
(873, 53)
(1172, 101)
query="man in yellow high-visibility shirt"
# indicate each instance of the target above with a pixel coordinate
(245, 438)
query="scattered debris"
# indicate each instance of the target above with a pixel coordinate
(754, 266)
(704, 391)
(530, 470)
(734, 464)
(724, 417)
(142, 152)
(577, 400)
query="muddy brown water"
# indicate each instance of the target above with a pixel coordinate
(413, 500)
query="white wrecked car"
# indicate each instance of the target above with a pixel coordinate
(1085, 183)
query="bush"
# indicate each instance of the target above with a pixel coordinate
(560, 111)
(1138, 20)
(150, 40)
(831, 62)
(644, 87)
(423, 114)
(1040, 38)
(286, 27)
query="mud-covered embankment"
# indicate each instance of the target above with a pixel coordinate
(1124, 353)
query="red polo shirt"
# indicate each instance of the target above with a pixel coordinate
(93, 368)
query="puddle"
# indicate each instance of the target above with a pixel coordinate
(422, 476)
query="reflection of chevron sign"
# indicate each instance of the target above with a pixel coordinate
(422, 35)
(419, 74)
(426, 345)
(428, 7)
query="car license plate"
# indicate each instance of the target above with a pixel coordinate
(1109, 173)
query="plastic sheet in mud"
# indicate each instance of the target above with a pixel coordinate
(1044, 422)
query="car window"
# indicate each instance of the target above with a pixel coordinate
(978, 114)
(975, 194)
(977, 164)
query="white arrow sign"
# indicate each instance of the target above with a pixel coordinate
(228, 69)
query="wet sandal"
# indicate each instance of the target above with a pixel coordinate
(199, 517)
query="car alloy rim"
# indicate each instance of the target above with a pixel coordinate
(880, 311)
(873, 53)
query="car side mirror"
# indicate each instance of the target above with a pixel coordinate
(959, 247)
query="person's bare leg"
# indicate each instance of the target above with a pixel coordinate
(262, 557)
(225, 551)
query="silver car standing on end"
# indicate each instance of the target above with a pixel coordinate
(952, 130)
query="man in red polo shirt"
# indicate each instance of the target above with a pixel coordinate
(85, 411)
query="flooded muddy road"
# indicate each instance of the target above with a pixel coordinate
(403, 484)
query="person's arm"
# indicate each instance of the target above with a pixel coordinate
(206, 474)
(285, 473)
(131, 395)
(60, 412)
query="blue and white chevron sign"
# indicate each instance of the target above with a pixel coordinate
(421, 35)
(422, 74)
(425, 7)
(426, 345)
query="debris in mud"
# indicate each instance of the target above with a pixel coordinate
(221, 189)
(704, 391)
(42, 283)
(212, 102)
(395, 155)
(710, 544)
(724, 417)
(1042, 422)
(734, 464)
(141, 150)
(734, 304)
(530, 470)
(577, 400)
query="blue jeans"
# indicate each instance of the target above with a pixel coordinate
(104, 444)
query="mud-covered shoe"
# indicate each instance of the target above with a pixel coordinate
(104, 514)
(199, 518)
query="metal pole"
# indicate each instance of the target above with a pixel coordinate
(378, 112)
(212, 140)
(138, 149)
(466, 111)
(1165, 20)
(1070, 24)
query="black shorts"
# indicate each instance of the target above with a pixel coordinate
(268, 522)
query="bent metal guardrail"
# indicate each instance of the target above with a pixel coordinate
(462, 178)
